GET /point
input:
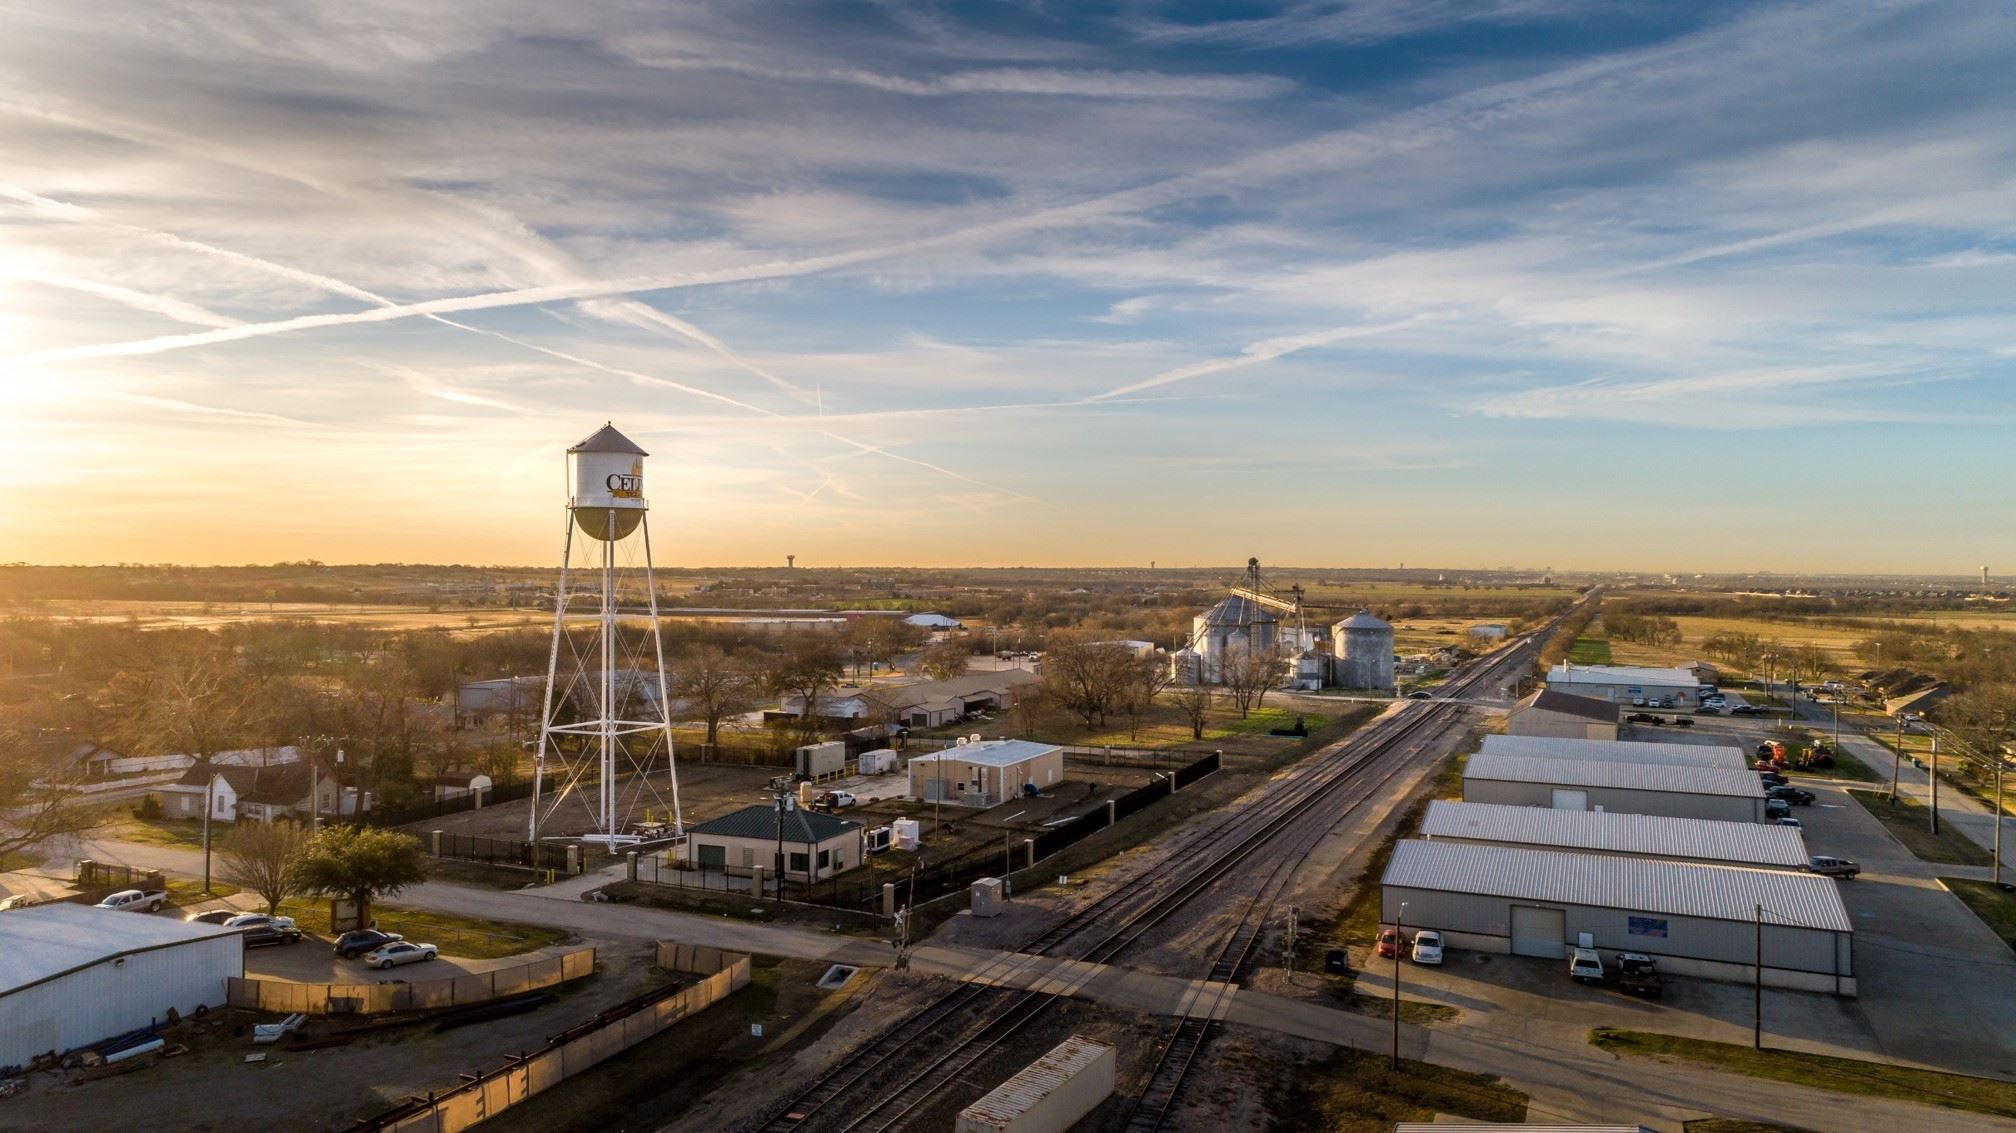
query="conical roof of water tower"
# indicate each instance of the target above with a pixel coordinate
(607, 439)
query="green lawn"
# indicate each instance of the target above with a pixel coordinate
(163, 832)
(1356, 1092)
(1844, 1075)
(1590, 651)
(189, 891)
(1995, 907)
(1911, 824)
(466, 937)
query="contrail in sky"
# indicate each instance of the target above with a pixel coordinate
(1254, 353)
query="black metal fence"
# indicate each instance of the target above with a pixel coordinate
(502, 851)
(423, 809)
(110, 875)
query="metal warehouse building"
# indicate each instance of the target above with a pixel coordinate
(1618, 751)
(72, 975)
(1628, 788)
(1698, 920)
(1624, 684)
(1602, 832)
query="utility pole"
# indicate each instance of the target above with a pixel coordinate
(1897, 759)
(1935, 784)
(1399, 942)
(1757, 1033)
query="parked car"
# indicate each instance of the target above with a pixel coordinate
(1709, 710)
(1638, 974)
(1641, 718)
(399, 952)
(1791, 794)
(260, 929)
(1389, 942)
(1585, 965)
(1788, 820)
(834, 800)
(19, 901)
(1681, 722)
(353, 944)
(1427, 947)
(1770, 779)
(1421, 695)
(136, 901)
(1337, 962)
(1746, 710)
(1834, 867)
(1777, 808)
(211, 916)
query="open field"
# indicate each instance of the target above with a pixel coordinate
(1355, 1092)
(211, 615)
(1844, 1075)
(1995, 907)
(1838, 644)
(465, 937)
(1909, 823)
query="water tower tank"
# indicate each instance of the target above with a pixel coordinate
(605, 484)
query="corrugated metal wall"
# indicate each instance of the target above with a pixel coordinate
(1732, 942)
(113, 997)
(1722, 808)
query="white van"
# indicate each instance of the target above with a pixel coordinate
(1585, 965)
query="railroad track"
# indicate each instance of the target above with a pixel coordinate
(962, 1027)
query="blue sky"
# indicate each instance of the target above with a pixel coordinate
(1685, 286)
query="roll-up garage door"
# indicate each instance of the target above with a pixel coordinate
(1570, 800)
(1539, 932)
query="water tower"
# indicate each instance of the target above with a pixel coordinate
(605, 723)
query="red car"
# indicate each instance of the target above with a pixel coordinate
(1389, 942)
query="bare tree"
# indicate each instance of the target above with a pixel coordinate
(198, 701)
(1194, 701)
(945, 660)
(37, 785)
(260, 857)
(1085, 678)
(1249, 676)
(714, 686)
(807, 670)
(1141, 682)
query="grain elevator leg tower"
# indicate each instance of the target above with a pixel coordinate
(605, 724)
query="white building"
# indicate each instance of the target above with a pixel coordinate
(1696, 920)
(261, 794)
(1704, 841)
(987, 773)
(1629, 788)
(72, 975)
(931, 622)
(1628, 684)
(1619, 751)
(1564, 715)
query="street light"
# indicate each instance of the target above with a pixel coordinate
(1399, 942)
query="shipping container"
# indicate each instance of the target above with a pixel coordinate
(1050, 1095)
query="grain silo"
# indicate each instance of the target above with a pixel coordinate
(1364, 652)
(1237, 625)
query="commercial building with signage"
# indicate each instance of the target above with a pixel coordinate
(1695, 920)
(1717, 793)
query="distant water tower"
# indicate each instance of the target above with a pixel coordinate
(604, 719)
(1984, 579)
(790, 561)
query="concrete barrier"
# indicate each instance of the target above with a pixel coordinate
(377, 998)
(488, 1095)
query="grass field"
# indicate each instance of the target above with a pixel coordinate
(1355, 1092)
(1911, 825)
(1844, 1075)
(1995, 907)
(466, 937)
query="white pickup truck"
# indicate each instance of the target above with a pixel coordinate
(136, 900)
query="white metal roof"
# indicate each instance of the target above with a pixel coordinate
(1565, 673)
(1036, 1081)
(1644, 885)
(1622, 776)
(1736, 843)
(993, 753)
(1618, 751)
(48, 940)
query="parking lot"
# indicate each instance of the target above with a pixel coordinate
(1935, 983)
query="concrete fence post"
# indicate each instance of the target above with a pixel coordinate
(434, 842)
(573, 859)
(1029, 860)
(630, 865)
(888, 898)
(1111, 816)
(755, 881)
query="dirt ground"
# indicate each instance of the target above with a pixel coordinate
(213, 1088)
(706, 791)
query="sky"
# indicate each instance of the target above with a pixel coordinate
(1575, 283)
